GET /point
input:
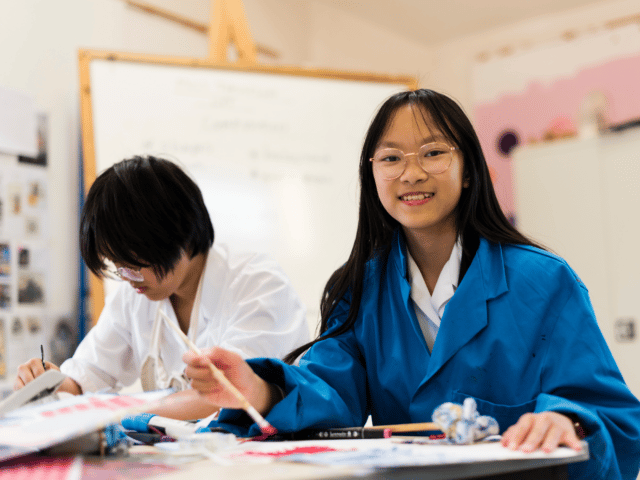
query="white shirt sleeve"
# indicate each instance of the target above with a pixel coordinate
(107, 357)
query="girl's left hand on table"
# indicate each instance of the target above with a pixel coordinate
(545, 430)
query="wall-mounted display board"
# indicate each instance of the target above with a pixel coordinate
(275, 150)
(25, 235)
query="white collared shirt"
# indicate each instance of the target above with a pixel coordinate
(248, 306)
(430, 308)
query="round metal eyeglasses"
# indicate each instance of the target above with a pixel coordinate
(124, 273)
(433, 158)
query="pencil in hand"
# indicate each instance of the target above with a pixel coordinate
(265, 427)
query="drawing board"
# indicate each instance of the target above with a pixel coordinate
(275, 150)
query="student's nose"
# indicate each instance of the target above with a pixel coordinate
(413, 171)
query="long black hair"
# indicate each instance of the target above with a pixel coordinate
(478, 213)
(143, 212)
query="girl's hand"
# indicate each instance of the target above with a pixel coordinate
(546, 430)
(260, 394)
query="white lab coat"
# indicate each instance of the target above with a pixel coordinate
(248, 306)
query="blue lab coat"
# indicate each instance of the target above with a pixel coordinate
(519, 335)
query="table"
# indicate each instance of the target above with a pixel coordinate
(529, 467)
(289, 471)
(149, 462)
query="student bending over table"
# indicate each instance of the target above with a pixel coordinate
(149, 219)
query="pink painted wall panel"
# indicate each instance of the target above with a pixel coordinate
(532, 113)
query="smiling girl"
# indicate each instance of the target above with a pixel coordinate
(443, 299)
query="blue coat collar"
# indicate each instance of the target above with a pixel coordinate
(466, 313)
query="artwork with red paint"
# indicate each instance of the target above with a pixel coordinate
(30, 429)
(288, 450)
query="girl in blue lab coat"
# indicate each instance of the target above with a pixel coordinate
(442, 299)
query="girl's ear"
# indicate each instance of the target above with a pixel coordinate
(466, 182)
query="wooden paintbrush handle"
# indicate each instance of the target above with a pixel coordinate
(221, 378)
(409, 427)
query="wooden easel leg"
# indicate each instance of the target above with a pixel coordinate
(229, 24)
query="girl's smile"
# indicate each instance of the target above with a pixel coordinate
(415, 198)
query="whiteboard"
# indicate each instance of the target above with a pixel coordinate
(275, 152)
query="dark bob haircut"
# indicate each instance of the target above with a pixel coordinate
(143, 212)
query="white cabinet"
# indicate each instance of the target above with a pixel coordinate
(581, 199)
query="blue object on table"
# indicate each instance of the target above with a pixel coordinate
(139, 422)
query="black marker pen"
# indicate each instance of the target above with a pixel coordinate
(42, 355)
(352, 433)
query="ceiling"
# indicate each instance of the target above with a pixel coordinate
(436, 21)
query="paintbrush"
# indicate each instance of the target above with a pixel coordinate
(265, 427)
(408, 427)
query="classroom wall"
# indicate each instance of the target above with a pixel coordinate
(340, 40)
(454, 61)
(343, 41)
(40, 39)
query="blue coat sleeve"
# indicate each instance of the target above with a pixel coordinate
(580, 377)
(325, 391)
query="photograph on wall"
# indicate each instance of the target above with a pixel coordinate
(15, 200)
(5, 260)
(34, 325)
(32, 257)
(35, 193)
(5, 296)
(34, 202)
(23, 257)
(31, 226)
(16, 327)
(41, 157)
(31, 288)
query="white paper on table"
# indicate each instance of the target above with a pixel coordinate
(386, 453)
(33, 428)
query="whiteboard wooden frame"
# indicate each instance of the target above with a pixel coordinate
(96, 288)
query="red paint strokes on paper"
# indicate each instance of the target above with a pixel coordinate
(291, 451)
(113, 404)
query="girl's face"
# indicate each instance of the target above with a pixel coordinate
(420, 202)
(155, 289)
